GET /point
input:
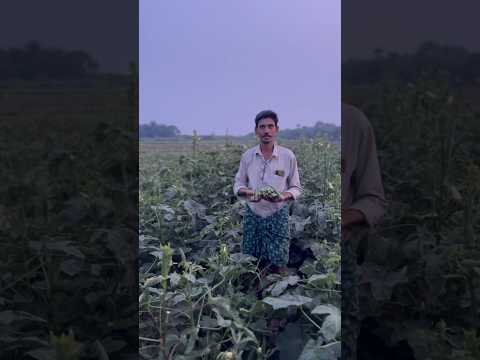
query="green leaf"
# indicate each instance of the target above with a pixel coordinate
(190, 277)
(331, 325)
(279, 287)
(299, 223)
(175, 278)
(314, 350)
(287, 300)
(194, 208)
(223, 305)
(101, 352)
(178, 298)
(326, 309)
(9, 316)
(221, 321)
(157, 254)
(155, 280)
(194, 355)
(241, 258)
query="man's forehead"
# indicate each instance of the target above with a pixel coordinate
(266, 121)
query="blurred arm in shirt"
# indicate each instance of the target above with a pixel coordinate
(365, 200)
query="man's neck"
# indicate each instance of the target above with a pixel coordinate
(267, 150)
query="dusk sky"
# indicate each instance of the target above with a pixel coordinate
(402, 26)
(106, 29)
(212, 66)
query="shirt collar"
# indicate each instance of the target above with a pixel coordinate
(275, 150)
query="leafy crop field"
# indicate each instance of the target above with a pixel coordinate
(174, 147)
(198, 297)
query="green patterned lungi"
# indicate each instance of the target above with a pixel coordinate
(267, 238)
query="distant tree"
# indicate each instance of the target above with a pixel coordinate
(154, 130)
(35, 62)
(330, 131)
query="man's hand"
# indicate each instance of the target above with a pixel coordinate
(249, 194)
(245, 192)
(351, 217)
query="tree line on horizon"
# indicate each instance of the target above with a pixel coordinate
(330, 131)
(36, 62)
(458, 63)
(154, 130)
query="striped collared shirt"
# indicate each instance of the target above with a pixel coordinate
(280, 172)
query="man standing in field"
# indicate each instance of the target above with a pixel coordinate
(363, 204)
(265, 225)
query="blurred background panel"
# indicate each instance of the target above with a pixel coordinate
(413, 69)
(69, 192)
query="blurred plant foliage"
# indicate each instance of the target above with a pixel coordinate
(68, 234)
(427, 249)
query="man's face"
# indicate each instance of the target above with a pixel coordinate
(266, 131)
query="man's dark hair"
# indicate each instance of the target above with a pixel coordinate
(266, 114)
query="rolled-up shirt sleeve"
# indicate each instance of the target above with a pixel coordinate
(369, 195)
(241, 178)
(293, 181)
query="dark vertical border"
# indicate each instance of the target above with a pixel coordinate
(413, 70)
(69, 189)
